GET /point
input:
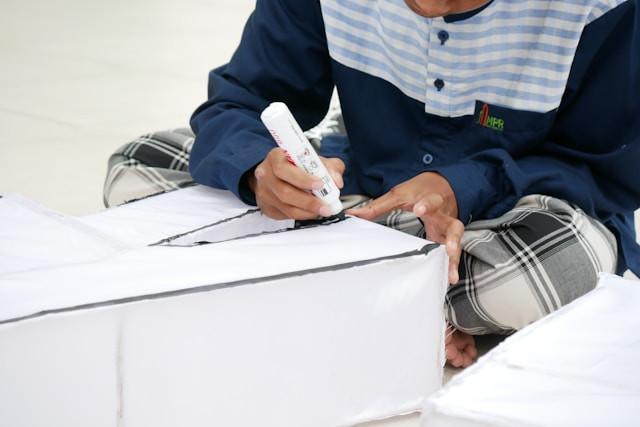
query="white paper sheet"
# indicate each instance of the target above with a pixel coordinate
(158, 269)
(34, 237)
(149, 220)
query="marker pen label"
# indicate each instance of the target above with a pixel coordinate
(296, 147)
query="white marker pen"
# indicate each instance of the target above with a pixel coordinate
(287, 133)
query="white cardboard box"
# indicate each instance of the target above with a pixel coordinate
(327, 325)
(576, 367)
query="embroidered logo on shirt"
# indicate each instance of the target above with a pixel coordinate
(488, 121)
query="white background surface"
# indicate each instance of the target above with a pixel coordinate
(80, 78)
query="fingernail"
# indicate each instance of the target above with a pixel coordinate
(317, 185)
(325, 211)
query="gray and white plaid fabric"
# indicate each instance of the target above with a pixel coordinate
(150, 164)
(159, 161)
(519, 267)
(514, 269)
(534, 259)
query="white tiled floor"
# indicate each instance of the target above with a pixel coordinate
(80, 78)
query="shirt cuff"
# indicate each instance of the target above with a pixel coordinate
(472, 188)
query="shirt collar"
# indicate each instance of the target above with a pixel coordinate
(455, 17)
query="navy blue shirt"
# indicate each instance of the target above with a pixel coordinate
(500, 107)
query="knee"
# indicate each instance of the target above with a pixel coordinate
(500, 299)
(528, 263)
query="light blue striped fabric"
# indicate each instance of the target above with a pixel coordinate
(514, 53)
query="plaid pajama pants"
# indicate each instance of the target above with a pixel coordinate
(150, 164)
(515, 269)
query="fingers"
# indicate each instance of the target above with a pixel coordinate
(429, 203)
(377, 207)
(282, 189)
(276, 169)
(442, 228)
(424, 193)
(455, 230)
(431, 199)
(394, 199)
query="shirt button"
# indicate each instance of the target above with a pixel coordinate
(427, 159)
(443, 36)
(439, 84)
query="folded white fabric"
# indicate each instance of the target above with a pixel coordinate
(576, 367)
(189, 308)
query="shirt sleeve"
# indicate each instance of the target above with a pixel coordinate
(283, 57)
(591, 155)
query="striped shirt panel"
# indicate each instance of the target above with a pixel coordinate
(516, 53)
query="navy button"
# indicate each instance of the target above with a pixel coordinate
(443, 36)
(439, 84)
(427, 159)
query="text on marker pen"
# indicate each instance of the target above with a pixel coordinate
(296, 147)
